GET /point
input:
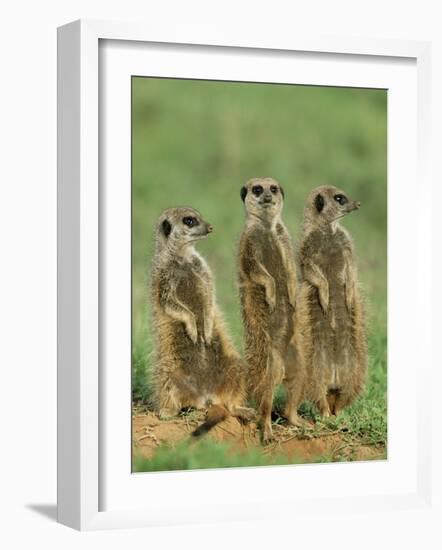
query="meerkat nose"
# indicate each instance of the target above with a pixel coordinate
(209, 229)
(358, 204)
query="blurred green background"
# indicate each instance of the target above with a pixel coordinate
(194, 143)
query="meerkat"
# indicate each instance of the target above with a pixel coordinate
(267, 284)
(330, 322)
(196, 364)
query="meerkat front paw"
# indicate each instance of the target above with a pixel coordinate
(324, 299)
(271, 295)
(292, 297)
(271, 299)
(349, 297)
(192, 331)
(208, 331)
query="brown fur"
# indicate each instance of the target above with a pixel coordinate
(196, 364)
(267, 281)
(330, 320)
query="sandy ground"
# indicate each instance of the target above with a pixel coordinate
(149, 432)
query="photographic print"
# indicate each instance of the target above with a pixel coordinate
(259, 274)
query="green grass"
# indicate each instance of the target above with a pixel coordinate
(195, 143)
(203, 454)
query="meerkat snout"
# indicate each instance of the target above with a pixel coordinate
(354, 205)
(267, 198)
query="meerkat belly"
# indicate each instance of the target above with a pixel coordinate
(278, 322)
(332, 332)
(275, 266)
(200, 362)
(189, 358)
(190, 293)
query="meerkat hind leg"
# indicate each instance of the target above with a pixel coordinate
(293, 393)
(294, 388)
(265, 411)
(294, 419)
(332, 400)
(343, 399)
(263, 396)
(169, 401)
(324, 407)
(244, 414)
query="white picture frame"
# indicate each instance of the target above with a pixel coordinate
(82, 443)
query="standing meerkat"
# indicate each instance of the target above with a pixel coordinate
(196, 364)
(267, 283)
(330, 317)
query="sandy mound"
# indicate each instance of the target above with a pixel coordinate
(298, 445)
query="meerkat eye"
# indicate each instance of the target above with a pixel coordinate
(257, 190)
(342, 199)
(190, 221)
(273, 189)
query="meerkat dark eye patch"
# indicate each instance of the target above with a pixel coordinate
(274, 189)
(167, 228)
(243, 193)
(190, 221)
(319, 202)
(257, 190)
(342, 199)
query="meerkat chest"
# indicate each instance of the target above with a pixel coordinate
(271, 253)
(194, 281)
(330, 252)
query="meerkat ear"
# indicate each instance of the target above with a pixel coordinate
(243, 193)
(167, 228)
(319, 202)
(282, 192)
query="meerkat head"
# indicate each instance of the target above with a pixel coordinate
(327, 204)
(179, 227)
(263, 197)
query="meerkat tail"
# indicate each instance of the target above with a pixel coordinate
(215, 415)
